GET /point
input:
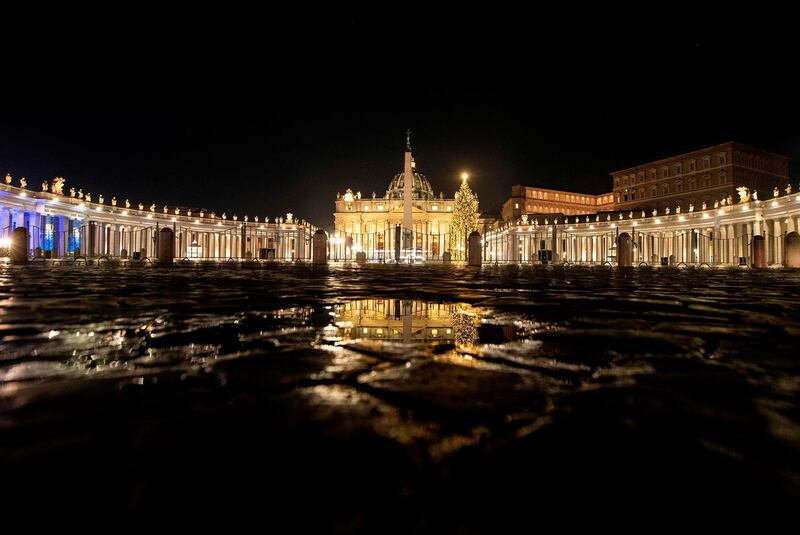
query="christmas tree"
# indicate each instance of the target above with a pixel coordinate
(465, 220)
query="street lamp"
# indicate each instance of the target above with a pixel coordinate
(464, 178)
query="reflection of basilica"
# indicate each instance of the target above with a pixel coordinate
(406, 321)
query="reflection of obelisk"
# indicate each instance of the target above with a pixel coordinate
(408, 182)
(408, 315)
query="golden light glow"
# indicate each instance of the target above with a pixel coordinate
(464, 175)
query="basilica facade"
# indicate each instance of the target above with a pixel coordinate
(408, 223)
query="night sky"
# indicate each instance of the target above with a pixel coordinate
(273, 123)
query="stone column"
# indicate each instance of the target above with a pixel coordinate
(19, 245)
(166, 246)
(792, 256)
(475, 249)
(624, 250)
(513, 241)
(730, 243)
(759, 259)
(320, 247)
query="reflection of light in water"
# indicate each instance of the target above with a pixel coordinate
(331, 333)
(465, 326)
(404, 320)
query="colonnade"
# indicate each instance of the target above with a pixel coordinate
(60, 226)
(717, 236)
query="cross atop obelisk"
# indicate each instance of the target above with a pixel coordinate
(408, 140)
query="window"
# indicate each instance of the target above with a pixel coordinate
(691, 165)
(516, 206)
(706, 162)
(723, 158)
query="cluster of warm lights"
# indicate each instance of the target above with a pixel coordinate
(744, 198)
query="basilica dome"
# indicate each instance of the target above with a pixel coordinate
(420, 188)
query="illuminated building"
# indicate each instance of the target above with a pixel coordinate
(375, 225)
(60, 225)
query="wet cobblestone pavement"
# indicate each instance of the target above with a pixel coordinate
(396, 399)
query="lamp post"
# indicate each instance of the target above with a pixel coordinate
(335, 241)
(464, 178)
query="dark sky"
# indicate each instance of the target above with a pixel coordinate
(268, 123)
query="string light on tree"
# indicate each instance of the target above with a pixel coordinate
(465, 218)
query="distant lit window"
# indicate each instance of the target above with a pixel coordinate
(516, 206)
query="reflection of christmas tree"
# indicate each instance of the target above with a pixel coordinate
(464, 329)
(464, 221)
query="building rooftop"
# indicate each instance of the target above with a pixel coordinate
(721, 146)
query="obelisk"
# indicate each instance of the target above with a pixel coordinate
(408, 182)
